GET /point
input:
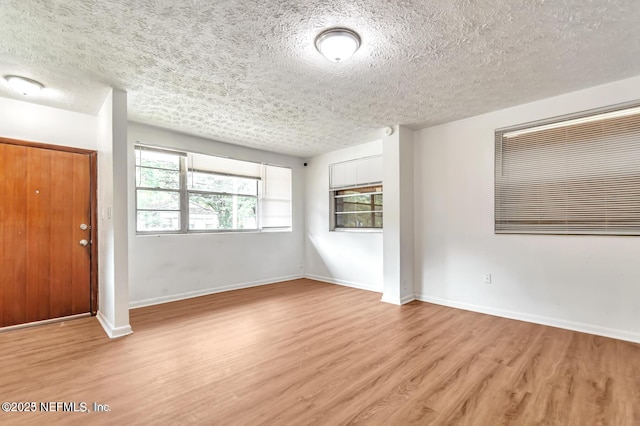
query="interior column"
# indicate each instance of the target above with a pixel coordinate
(397, 150)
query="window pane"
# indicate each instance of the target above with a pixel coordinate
(356, 191)
(359, 220)
(158, 200)
(377, 220)
(358, 203)
(210, 182)
(158, 221)
(351, 205)
(156, 178)
(211, 211)
(161, 160)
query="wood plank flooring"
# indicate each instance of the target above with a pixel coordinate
(303, 352)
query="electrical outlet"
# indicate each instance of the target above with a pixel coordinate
(486, 278)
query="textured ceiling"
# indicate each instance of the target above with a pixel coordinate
(248, 73)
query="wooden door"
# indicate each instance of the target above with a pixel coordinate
(45, 270)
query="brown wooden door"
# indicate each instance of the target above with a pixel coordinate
(44, 270)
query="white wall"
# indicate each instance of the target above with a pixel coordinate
(170, 267)
(37, 123)
(587, 283)
(348, 258)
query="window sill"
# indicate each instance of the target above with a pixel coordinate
(207, 232)
(359, 230)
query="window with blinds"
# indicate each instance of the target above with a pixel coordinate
(276, 197)
(576, 174)
(356, 189)
(181, 192)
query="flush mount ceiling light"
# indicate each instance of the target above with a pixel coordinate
(24, 86)
(337, 44)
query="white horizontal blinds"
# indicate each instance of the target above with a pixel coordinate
(209, 163)
(580, 178)
(276, 197)
(360, 172)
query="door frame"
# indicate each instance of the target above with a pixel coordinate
(93, 188)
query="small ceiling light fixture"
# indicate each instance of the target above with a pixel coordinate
(24, 86)
(337, 44)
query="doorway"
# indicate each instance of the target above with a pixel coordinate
(48, 247)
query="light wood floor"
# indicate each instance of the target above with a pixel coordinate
(303, 352)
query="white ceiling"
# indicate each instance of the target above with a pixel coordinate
(248, 73)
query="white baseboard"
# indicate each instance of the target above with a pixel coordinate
(408, 298)
(537, 319)
(345, 283)
(197, 293)
(112, 332)
(398, 300)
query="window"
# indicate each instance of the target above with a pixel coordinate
(158, 176)
(222, 202)
(178, 192)
(356, 194)
(577, 174)
(276, 198)
(358, 207)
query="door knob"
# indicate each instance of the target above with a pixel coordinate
(84, 243)
(84, 226)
